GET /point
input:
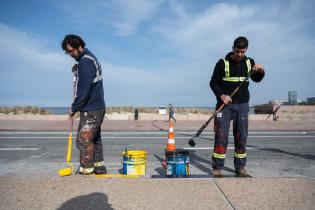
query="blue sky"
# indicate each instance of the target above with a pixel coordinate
(153, 52)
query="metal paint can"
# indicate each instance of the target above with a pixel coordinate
(177, 163)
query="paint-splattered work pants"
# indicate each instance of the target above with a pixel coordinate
(89, 141)
(239, 114)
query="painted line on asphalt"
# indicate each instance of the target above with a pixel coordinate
(138, 137)
(152, 132)
(33, 137)
(275, 136)
(18, 149)
(208, 148)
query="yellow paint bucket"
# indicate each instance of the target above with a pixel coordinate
(134, 162)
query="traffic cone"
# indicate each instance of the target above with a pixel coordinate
(171, 141)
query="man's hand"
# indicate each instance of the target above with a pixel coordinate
(71, 113)
(225, 99)
(258, 68)
(74, 68)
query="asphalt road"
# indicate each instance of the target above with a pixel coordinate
(270, 153)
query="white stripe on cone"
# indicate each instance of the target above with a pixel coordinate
(171, 141)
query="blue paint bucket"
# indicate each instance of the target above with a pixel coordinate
(177, 163)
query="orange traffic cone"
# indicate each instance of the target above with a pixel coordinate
(171, 141)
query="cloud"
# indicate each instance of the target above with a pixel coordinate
(22, 47)
(31, 72)
(132, 14)
(205, 32)
(159, 52)
(133, 86)
(124, 16)
(280, 39)
(199, 39)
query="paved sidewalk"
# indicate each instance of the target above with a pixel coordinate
(144, 193)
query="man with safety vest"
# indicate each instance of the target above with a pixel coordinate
(228, 74)
(89, 101)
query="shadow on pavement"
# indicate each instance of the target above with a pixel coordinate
(306, 156)
(195, 161)
(94, 200)
(156, 126)
(160, 170)
(121, 171)
(195, 138)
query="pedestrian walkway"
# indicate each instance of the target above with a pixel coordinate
(151, 125)
(144, 193)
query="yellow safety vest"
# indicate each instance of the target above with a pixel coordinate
(227, 71)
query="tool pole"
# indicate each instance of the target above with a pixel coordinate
(191, 142)
(69, 151)
(68, 171)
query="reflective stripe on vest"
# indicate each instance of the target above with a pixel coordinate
(220, 156)
(98, 164)
(227, 71)
(244, 155)
(98, 76)
(226, 68)
(249, 66)
(86, 170)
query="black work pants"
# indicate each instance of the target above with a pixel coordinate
(239, 114)
(89, 141)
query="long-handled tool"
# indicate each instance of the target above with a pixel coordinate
(191, 142)
(68, 171)
(274, 112)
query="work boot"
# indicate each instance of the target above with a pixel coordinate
(100, 170)
(81, 173)
(217, 173)
(85, 171)
(241, 173)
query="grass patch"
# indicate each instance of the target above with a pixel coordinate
(16, 110)
(155, 110)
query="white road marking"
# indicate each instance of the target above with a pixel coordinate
(33, 137)
(208, 148)
(275, 136)
(18, 149)
(154, 132)
(140, 137)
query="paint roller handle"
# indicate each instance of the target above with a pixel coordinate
(71, 122)
(75, 79)
(69, 150)
(191, 142)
